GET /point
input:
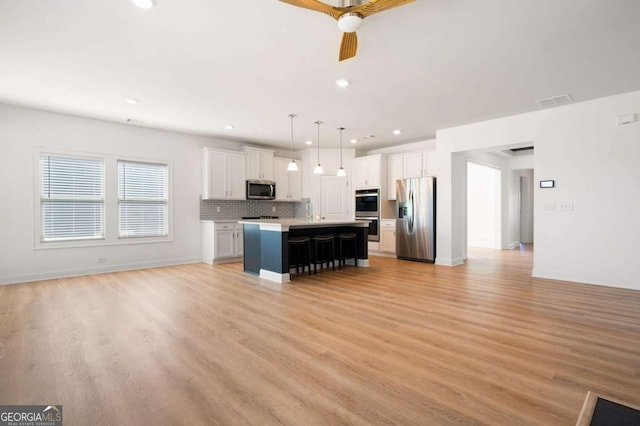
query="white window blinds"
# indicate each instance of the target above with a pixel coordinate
(71, 198)
(142, 199)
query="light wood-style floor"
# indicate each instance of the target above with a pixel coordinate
(397, 343)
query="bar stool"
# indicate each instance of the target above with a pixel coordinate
(324, 251)
(300, 252)
(343, 240)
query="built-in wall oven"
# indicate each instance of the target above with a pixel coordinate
(368, 208)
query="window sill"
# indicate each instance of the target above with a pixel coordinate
(39, 245)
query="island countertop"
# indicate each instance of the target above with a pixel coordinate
(283, 225)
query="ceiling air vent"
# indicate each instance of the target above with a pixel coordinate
(555, 101)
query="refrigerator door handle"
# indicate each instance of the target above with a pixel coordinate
(413, 212)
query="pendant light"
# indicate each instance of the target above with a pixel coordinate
(318, 169)
(341, 171)
(292, 167)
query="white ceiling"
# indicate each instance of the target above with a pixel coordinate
(197, 65)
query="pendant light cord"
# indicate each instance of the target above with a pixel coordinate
(341, 130)
(292, 117)
(318, 123)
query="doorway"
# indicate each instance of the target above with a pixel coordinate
(484, 201)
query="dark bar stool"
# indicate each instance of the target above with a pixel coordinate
(343, 240)
(300, 253)
(324, 251)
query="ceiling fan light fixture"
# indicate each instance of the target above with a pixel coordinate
(350, 22)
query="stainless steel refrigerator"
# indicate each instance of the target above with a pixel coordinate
(416, 219)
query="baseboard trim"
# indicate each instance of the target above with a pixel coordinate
(275, 276)
(513, 245)
(52, 275)
(450, 262)
(547, 275)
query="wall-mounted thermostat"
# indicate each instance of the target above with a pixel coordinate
(547, 183)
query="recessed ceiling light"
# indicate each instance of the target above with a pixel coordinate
(343, 82)
(309, 142)
(145, 4)
(132, 101)
(354, 141)
(397, 132)
(229, 126)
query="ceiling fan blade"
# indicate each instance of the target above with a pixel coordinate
(375, 6)
(349, 46)
(316, 5)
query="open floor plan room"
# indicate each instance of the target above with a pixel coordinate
(395, 343)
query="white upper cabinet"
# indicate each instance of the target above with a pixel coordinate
(428, 164)
(367, 171)
(412, 165)
(223, 175)
(409, 165)
(288, 184)
(259, 163)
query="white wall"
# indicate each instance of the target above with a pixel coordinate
(23, 130)
(595, 164)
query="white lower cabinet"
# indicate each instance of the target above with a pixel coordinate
(221, 240)
(388, 236)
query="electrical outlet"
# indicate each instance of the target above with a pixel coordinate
(565, 205)
(218, 209)
(550, 205)
(273, 209)
(102, 260)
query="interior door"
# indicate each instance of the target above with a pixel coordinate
(335, 198)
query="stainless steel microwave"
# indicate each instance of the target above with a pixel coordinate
(261, 190)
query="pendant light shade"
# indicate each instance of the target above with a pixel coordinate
(341, 171)
(318, 169)
(292, 167)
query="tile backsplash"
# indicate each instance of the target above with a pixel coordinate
(235, 209)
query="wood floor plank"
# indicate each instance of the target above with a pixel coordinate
(396, 343)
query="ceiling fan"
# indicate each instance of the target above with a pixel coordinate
(349, 15)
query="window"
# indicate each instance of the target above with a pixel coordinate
(143, 197)
(71, 198)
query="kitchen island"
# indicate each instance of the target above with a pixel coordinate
(266, 243)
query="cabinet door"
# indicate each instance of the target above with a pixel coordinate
(254, 165)
(413, 165)
(428, 164)
(336, 198)
(217, 172)
(388, 240)
(266, 166)
(239, 236)
(372, 168)
(295, 184)
(281, 176)
(367, 172)
(395, 172)
(236, 177)
(224, 246)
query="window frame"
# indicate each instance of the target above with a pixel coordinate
(42, 200)
(120, 201)
(111, 214)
